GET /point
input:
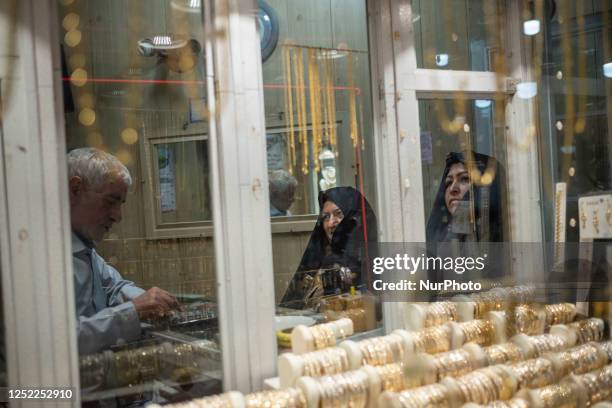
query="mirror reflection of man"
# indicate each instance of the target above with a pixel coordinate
(108, 307)
(282, 192)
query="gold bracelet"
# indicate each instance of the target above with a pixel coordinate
(487, 302)
(561, 313)
(439, 313)
(486, 385)
(432, 340)
(382, 350)
(513, 403)
(325, 362)
(524, 319)
(557, 395)
(520, 295)
(534, 373)
(435, 395)
(587, 330)
(607, 346)
(481, 332)
(392, 377)
(324, 336)
(503, 353)
(286, 398)
(453, 363)
(547, 343)
(348, 389)
(598, 384)
(213, 401)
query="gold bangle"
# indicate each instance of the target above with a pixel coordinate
(587, 330)
(382, 350)
(561, 313)
(325, 362)
(348, 389)
(607, 346)
(481, 332)
(598, 384)
(513, 403)
(438, 313)
(435, 395)
(432, 340)
(286, 398)
(503, 353)
(452, 363)
(486, 302)
(557, 395)
(525, 319)
(324, 336)
(547, 343)
(534, 373)
(392, 377)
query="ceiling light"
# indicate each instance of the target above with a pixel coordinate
(527, 90)
(531, 27)
(607, 70)
(482, 103)
(442, 60)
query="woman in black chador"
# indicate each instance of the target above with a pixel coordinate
(340, 244)
(468, 206)
(466, 216)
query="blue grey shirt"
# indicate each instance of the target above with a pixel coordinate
(106, 316)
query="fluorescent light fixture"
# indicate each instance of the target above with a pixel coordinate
(482, 103)
(441, 60)
(607, 70)
(527, 90)
(531, 27)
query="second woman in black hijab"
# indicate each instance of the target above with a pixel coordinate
(343, 237)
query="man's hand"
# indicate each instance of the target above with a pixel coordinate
(155, 303)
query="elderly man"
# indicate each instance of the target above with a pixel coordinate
(109, 308)
(282, 192)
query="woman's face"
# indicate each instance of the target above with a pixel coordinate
(332, 216)
(457, 184)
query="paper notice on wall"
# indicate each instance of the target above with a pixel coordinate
(276, 149)
(167, 182)
(426, 148)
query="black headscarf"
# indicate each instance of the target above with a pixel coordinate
(484, 201)
(351, 245)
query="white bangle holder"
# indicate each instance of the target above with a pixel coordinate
(389, 399)
(414, 316)
(466, 308)
(375, 384)
(569, 336)
(310, 388)
(499, 321)
(302, 340)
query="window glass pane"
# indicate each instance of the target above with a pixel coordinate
(320, 138)
(455, 133)
(458, 34)
(575, 107)
(143, 254)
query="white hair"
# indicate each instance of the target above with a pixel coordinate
(95, 166)
(281, 181)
